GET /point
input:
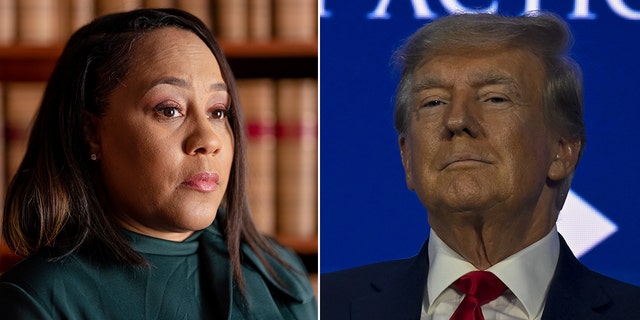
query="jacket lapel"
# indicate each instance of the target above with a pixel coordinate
(396, 293)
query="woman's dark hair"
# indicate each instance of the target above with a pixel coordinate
(54, 200)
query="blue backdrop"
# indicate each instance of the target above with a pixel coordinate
(366, 212)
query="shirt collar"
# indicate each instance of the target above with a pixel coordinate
(527, 273)
(150, 245)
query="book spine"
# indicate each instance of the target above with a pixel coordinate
(259, 104)
(233, 20)
(295, 20)
(38, 22)
(104, 7)
(199, 8)
(260, 20)
(297, 157)
(81, 12)
(158, 3)
(8, 22)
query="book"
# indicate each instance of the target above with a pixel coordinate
(158, 3)
(295, 20)
(104, 7)
(233, 20)
(22, 102)
(38, 22)
(297, 157)
(260, 20)
(8, 22)
(199, 8)
(81, 12)
(258, 101)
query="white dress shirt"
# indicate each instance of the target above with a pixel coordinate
(527, 275)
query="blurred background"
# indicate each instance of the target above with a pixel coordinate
(272, 48)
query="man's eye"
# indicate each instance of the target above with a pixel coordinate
(496, 100)
(433, 103)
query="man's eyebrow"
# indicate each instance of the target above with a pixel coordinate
(429, 82)
(480, 79)
(476, 80)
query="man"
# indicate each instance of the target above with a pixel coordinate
(489, 115)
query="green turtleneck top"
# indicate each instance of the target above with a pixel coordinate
(185, 280)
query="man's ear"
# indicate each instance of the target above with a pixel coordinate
(91, 125)
(565, 160)
(405, 154)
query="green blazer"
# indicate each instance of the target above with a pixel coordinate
(185, 280)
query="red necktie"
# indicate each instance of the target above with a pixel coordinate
(479, 287)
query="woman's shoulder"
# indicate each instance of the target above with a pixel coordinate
(29, 287)
(52, 270)
(40, 268)
(275, 258)
(279, 274)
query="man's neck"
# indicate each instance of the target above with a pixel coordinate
(489, 240)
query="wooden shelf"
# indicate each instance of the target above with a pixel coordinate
(269, 59)
(301, 246)
(270, 50)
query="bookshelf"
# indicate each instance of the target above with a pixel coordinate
(248, 60)
(278, 55)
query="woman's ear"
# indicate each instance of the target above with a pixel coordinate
(565, 160)
(91, 125)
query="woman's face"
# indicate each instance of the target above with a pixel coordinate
(164, 144)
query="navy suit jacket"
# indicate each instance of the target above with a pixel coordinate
(394, 290)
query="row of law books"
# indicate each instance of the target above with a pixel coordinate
(281, 131)
(51, 22)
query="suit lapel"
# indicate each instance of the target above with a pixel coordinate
(398, 293)
(573, 294)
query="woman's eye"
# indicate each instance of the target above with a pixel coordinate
(167, 111)
(170, 112)
(219, 114)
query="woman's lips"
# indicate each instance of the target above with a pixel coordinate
(204, 182)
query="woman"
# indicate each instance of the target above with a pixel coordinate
(137, 147)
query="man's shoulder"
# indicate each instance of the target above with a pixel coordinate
(366, 274)
(624, 296)
(577, 292)
(339, 289)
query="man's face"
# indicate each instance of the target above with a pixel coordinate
(477, 137)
